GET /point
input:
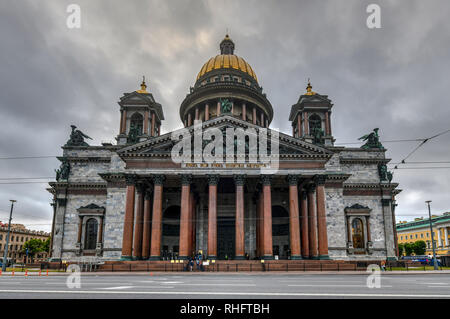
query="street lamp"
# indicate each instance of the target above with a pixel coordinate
(5, 254)
(432, 236)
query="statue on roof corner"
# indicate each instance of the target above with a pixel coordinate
(373, 140)
(77, 138)
(63, 172)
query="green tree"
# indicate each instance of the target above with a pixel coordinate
(408, 249)
(401, 248)
(419, 247)
(34, 246)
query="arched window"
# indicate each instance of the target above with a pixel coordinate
(137, 121)
(315, 122)
(357, 233)
(90, 240)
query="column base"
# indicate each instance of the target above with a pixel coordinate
(126, 258)
(154, 258)
(314, 257)
(296, 257)
(239, 258)
(183, 257)
(267, 257)
(212, 257)
(324, 257)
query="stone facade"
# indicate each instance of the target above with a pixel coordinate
(336, 196)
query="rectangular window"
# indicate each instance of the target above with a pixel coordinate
(12, 238)
(421, 235)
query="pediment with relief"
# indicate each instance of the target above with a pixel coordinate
(288, 146)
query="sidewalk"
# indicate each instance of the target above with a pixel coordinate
(184, 273)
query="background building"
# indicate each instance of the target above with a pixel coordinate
(19, 234)
(419, 229)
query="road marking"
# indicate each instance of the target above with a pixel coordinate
(434, 283)
(299, 294)
(361, 286)
(119, 287)
(172, 282)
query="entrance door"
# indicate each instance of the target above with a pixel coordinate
(225, 237)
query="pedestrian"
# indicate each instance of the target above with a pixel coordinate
(383, 265)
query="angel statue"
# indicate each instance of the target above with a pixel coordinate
(226, 106)
(77, 138)
(372, 140)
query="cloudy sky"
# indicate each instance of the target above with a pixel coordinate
(395, 78)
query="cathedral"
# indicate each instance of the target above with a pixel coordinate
(270, 195)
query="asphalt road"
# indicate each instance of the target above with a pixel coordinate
(246, 286)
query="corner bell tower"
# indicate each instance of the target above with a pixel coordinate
(140, 116)
(310, 118)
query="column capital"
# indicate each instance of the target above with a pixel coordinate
(320, 179)
(213, 179)
(310, 187)
(158, 179)
(292, 179)
(130, 180)
(186, 179)
(140, 187)
(385, 202)
(239, 180)
(148, 193)
(266, 179)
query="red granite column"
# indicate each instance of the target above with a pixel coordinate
(100, 231)
(321, 218)
(299, 125)
(254, 115)
(193, 223)
(294, 224)
(152, 133)
(244, 112)
(138, 224)
(127, 242)
(240, 227)
(327, 124)
(147, 225)
(258, 234)
(313, 253)
(218, 108)
(196, 113)
(184, 217)
(189, 119)
(305, 123)
(261, 223)
(146, 122)
(206, 112)
(124, 122)
(155, 250)
(80, 229)
(267, 212)
(212, 216)
(304, 224)
(262, 119)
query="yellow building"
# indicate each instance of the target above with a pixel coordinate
(419, 229)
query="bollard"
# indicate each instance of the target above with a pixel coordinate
(0, 271)
(39, 272)
(26, 272)
(12, 272)
(47, 271)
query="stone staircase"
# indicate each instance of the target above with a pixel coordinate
(237, 265)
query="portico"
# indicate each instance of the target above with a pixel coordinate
(249, 197)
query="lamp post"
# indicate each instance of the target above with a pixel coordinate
(5, 254)
(432, 236)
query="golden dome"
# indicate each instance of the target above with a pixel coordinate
(227, 60)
